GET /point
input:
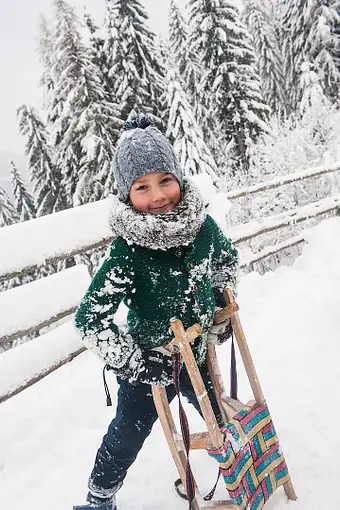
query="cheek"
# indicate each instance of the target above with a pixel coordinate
(176, 194)
(139, 202)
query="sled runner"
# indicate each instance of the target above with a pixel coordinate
(246, 446)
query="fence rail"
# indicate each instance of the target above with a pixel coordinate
(272, 250)
(23, 385)
(53, 238)
(281, 181)
(248, 231)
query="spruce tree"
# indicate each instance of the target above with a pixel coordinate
(336, 4)
(43, 174)
(137, 77)
(45, 52)
(231, 86)
(259, 20)
(309, 35)
(87, 128)
(177, 35)
(187, 62)
(324, 43)
(190, 69)
(96, 42)
(163, 53)
(8, 214)
(312, 93)
(194, 155)
(24, 201)
(96, 52)
(25, 210)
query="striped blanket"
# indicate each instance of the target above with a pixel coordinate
(251, 462)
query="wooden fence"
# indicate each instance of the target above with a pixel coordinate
(77, 278)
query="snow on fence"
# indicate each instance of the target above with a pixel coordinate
(246, 231)
(29, 245)
(282, 180)
(30, 362)
(38, 304)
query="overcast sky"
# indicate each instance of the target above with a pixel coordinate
(20, 70)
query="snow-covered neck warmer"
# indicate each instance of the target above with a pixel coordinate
(161, 231)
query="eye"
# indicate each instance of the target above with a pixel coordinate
(142, 187)
(167, 179)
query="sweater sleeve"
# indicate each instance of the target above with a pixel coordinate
(94, 317)
(225, 266)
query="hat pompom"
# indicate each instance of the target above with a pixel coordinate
(137, 122)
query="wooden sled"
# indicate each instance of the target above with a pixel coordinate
(213, 437)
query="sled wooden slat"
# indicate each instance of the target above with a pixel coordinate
(221, 505)
(212, 438)
(191, 334)
(244, 351)
(289, 490)
(169, 428)
(179, 456)
(198, 441)
(197, 383)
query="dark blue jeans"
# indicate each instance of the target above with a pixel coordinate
(135, 416)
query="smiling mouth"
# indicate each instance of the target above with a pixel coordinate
(164, 208)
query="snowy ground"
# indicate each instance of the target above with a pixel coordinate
(50, 432)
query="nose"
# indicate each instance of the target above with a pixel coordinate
(158, 195)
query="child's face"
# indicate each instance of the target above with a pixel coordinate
(155, 193)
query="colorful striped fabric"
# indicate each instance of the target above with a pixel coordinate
(250, 459)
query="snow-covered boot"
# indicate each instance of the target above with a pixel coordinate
(95, 503)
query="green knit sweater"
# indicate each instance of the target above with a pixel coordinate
(156, 286)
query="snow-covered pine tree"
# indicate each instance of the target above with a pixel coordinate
(25, 208)
(324, 44)
(24, 202)
(312, 94)
(231, 86)
(178, 37)
(45, 52)
(87, 127)
(96, 42)
(336, 4)
(90, 23)
(96, 52)
(137, 76)
(258, 18)
(163, 51)
(309, 35)
(8, 214)
(188, 63)
(194, 155)
(43, 174)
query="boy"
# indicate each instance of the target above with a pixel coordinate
(168, 260)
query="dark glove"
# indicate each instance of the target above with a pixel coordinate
(156, 368)
(219, 333)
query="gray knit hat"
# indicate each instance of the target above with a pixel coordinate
(141, 149)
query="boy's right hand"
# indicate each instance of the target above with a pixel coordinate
(157, 368)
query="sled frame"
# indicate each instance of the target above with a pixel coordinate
(212, 438)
